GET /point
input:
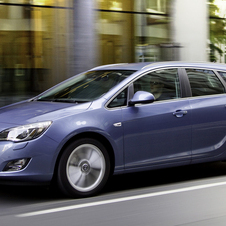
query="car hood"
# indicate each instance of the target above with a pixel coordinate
(29, 112)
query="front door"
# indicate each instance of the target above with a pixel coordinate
(158, 133)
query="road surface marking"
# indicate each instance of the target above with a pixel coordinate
(124, 199)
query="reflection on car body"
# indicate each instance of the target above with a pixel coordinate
(115, 119)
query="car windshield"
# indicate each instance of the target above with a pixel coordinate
(86, 87)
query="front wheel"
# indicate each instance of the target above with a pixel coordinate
(84, 168)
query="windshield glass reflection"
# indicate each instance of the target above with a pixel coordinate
(85, 87)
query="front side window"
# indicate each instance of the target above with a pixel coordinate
(85, 87)
(120, 100)
(163, 84)
(204, 82)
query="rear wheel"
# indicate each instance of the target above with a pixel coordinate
(84, 168)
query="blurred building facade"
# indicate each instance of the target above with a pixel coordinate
(43, 42)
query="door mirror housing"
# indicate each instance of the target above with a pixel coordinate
(142, 97)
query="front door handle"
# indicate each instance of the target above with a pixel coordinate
(179, 113)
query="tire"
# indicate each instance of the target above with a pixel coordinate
(84, 168)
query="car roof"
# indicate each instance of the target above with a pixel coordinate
(150, 65)
(123, 66)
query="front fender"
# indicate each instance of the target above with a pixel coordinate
(64, 131)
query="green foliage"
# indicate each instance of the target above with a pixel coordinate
(217, 26)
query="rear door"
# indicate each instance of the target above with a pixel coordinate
(208, 114)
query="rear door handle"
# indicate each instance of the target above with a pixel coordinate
(179, 113)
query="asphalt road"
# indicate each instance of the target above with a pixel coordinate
(194, 195)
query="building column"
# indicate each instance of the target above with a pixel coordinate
(190, 29)
(85, 36)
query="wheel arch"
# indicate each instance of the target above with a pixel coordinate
(92, 135)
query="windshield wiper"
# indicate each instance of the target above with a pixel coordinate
(63, 100)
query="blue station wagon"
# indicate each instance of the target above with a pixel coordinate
(115, 119)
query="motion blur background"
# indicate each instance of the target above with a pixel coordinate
(43, 42)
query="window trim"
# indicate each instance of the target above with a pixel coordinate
(183, 78)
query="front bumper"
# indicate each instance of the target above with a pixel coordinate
(42, 154)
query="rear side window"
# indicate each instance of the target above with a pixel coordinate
(204, 82)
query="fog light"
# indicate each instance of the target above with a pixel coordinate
(16, 165)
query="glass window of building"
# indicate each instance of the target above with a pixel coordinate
(58, 3)
(35, 46)
(151, 29)
(116, 29)
(132, 30)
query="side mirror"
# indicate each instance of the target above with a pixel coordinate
(142, 97)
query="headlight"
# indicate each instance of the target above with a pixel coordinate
(26, 132)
